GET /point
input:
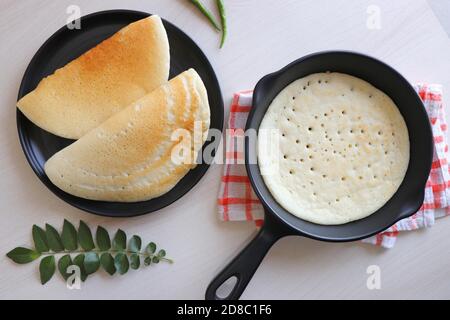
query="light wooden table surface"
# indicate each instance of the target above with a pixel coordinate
(264, 35)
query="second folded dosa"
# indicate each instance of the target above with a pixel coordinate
(130, 157)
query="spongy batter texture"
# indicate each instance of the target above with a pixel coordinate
(342, 150)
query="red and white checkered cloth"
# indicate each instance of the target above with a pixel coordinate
(238, 202)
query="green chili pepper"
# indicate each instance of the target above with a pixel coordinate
(223, 18)
(206, 13)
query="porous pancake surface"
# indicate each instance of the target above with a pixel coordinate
(342, 151)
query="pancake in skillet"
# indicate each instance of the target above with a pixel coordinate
(343, 148)
(129, 157)
(102, 81)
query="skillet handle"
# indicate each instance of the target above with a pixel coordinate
(244, 265)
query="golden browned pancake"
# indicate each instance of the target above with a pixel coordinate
(102, 81)
(130, 157)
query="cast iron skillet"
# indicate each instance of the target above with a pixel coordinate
(278, 222)
(66, 45)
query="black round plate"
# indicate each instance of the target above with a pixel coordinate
(66, 45)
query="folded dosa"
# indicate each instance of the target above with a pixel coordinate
(102, 81)
(129, 157)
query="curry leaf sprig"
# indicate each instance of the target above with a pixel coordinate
(77, 247)
(223, 18)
